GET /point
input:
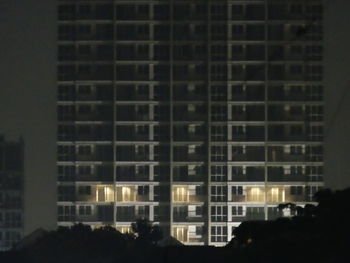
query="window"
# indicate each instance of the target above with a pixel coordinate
(84, 190)
(296, 50)
(237, 150)
(127, 193)
(237, 211)
(84, 170)
(238, 130)
(237, 190)
(219, 72)
(314, 72)
(218, 93)
(85, 210)
(296, 130)
(142, 211)
(143, 190)
(218, 173)
(296, 150)
(310, 192)
(219, 113)
(218, 12)
(237, 111)
(296, 190)
(218, 133)
(181, 233)
(296, 9)
(238, 170)
(218, 53)
(237, 10)
(142, 90)
(66, 173)
(219, 153)
(218, 234)
(141, 129)
(218, 193)
(296, 69)
(237, 32)
(180, 194)
(65, 213)
(84, 150)
(219, 213)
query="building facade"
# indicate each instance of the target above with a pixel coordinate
(11, 193)
(195, 114)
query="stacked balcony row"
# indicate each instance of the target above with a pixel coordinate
(191, 72)
(190, 153)
(187, 194)
(293, 92)
(188, 52)
(186, 10)
(194, 111)
(189, 173)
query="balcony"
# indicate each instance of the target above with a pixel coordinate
(189, 137)
(257, 177)
(252, 155)
(130, 194)
(186, 194)
(99, 193)
(126, 217)
(189, 178)
(94, 177)
(132, 177)
(287, 178)
(282, 137)
(180, 217)
(285, 157)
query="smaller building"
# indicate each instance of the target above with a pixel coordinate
(11, 192)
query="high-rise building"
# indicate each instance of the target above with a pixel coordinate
(11, 192)
(195, 114)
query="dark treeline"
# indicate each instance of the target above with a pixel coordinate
(318, 233)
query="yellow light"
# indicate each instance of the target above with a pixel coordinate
(126, 194)
(181, 194)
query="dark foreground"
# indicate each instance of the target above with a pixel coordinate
(315, 234)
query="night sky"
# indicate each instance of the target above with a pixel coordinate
(28, 97)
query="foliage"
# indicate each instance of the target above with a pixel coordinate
(146, 232)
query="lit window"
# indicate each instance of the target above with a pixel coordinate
(180, 194)
(256, 195)
(126, 194)
(181, 233)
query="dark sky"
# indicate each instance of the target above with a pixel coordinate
(337, 93)
(27, 96)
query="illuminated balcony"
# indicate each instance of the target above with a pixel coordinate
(99, 193)
(186, 194)
(181, 233)
(260, 194)
(124, 229)
(255, 194)
(104, 194)
(130, 194)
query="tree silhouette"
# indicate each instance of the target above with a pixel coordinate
(146, 232)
